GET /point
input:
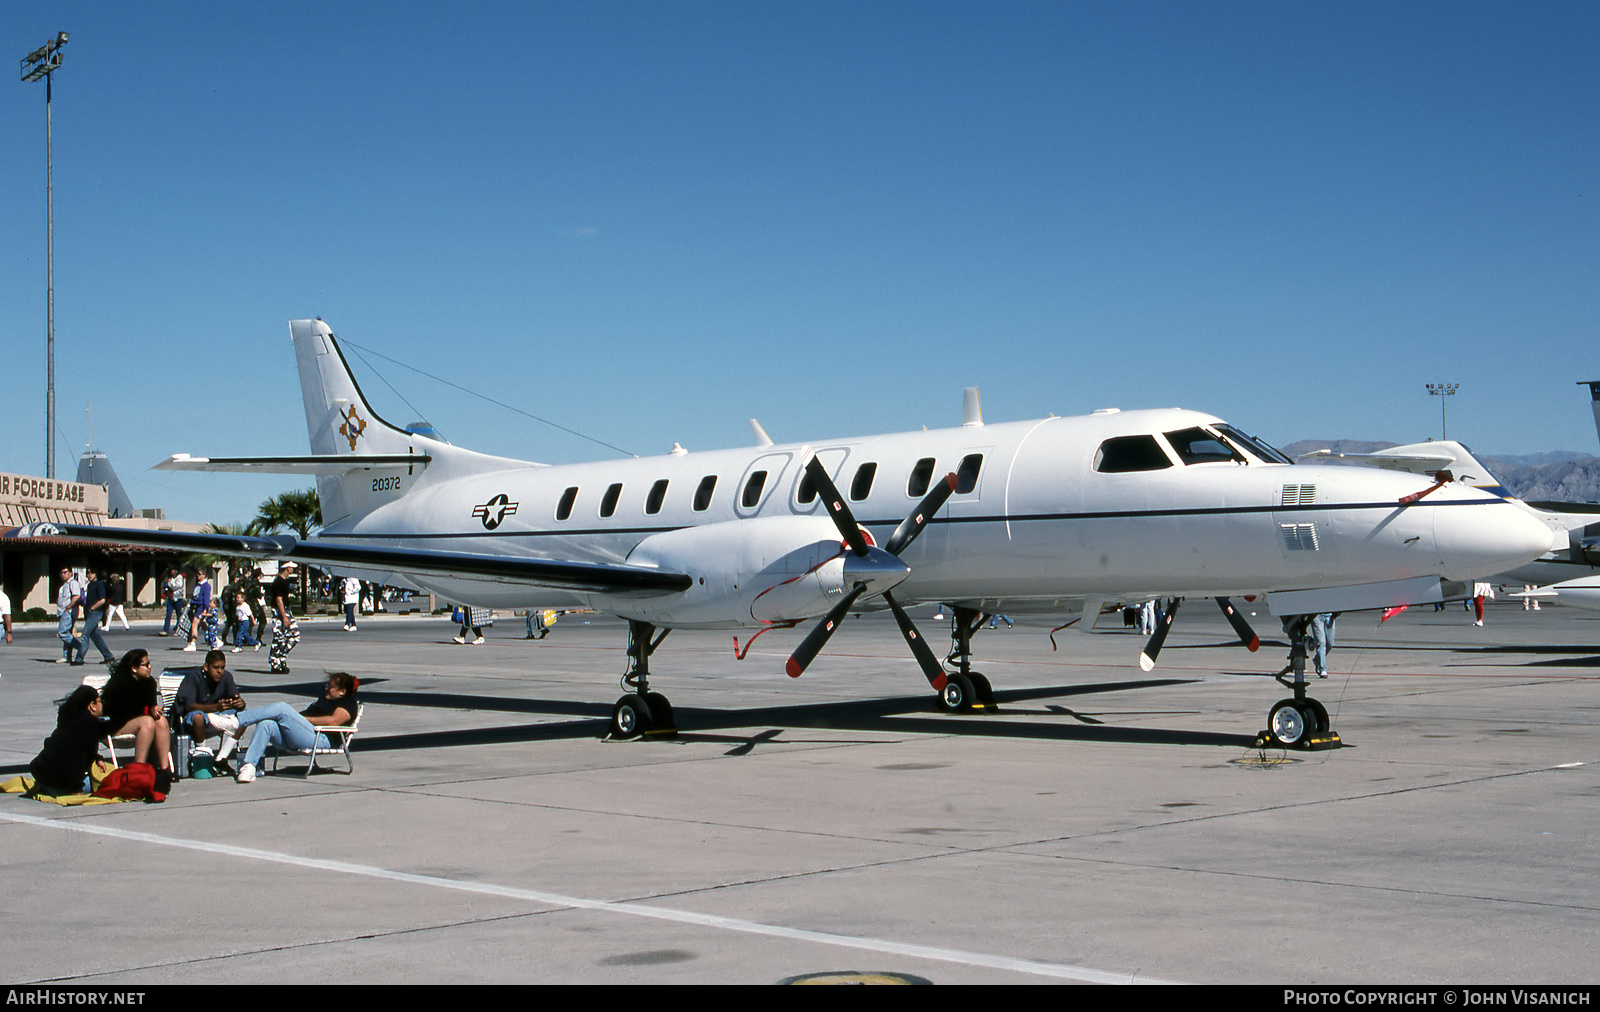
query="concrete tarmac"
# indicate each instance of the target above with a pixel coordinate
(1107, 825)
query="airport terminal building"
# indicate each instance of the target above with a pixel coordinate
(29, 566)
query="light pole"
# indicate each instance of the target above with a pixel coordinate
(42, 62)
(1441, 391)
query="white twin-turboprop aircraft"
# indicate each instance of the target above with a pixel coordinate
(1050, 515)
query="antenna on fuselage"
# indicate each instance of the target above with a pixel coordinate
(762, 439)
(971, 410)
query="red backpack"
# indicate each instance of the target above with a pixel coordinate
(136, 781)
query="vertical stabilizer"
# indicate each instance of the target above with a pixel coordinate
(338, 418)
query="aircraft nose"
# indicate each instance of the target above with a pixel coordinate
(1477, 541)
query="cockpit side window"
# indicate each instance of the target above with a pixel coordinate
(1130, 453)
(1197, 446)
(1268, 453)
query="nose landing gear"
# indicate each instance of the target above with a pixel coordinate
(1299, 722)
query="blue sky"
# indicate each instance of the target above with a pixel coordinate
(651, 221)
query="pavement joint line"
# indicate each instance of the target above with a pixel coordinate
(883, 946)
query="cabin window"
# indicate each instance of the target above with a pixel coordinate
(861, 487)
(658, 495)
(752, 489)
(807, 492)
(702, 495)
(1130, 453)
(921, 477)
(967, 473)
(1197, 446)
(608, 502)
(564, 507)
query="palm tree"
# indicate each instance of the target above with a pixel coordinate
(299, 511)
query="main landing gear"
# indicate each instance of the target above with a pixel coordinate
(1299, 722)
(964, 690)
(641, 712)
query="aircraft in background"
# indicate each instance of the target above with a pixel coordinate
(1569, 573)
(1038, 516)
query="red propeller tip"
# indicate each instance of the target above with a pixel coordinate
(793, 668)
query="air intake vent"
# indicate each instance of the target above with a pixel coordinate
(1299, 537)
(1299, 495)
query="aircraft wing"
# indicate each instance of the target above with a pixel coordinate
(306, 464)
(592, 577)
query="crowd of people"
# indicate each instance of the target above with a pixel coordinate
(207, 705)
(208, 724)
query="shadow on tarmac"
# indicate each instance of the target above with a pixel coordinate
(890, 715)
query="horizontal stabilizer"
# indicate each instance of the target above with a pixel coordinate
(321, 463)
(591, 577)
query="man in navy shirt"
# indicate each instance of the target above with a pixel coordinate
(95, 599)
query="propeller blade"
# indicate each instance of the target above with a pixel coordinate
(817, 638)
(912, 525)
(1152, 649)
(842, 517)
(1247, 635)
(919, 647)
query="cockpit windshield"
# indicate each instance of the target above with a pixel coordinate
(1197, 446)
(1268, 453)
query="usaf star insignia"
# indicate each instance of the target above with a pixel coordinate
(494, 511)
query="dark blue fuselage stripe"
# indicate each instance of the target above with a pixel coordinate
(1104, 515)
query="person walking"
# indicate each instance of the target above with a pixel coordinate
(286, 632)
(95, 599)
(352, 600)
(68, 598)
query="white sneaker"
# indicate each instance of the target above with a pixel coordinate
(247, 773)
(235, 649)
(188, 648)
(478, 642)
(256, 647)
(224, 722)
(458, 639)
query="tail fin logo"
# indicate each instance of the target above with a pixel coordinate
(354, 425)
(494, 511)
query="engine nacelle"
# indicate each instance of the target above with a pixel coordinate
(752, 572)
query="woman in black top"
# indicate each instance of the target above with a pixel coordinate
(62, 766)
(133, 706)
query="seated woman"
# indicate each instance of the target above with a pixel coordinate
(62, 766)
(133, 706)
(279, 725)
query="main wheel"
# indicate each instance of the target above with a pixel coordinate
(958, 692)
(1287, 722)
(631, 717)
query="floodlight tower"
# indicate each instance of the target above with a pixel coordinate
(1441, 391)
(43, 62)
